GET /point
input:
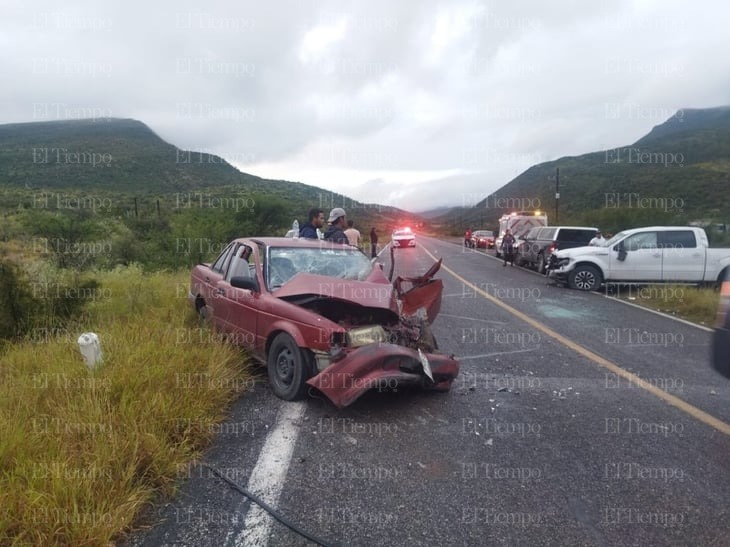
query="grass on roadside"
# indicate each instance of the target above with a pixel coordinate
(695, 304)
(81, 452)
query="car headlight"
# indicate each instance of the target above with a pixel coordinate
(363, 336)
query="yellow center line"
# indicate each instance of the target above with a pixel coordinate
(676, 402)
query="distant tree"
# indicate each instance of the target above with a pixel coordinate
(269, 216)
(69, 236)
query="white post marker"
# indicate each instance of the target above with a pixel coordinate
(90, 349)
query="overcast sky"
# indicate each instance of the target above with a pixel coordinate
(416, 104)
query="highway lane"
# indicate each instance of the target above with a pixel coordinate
(535, 444)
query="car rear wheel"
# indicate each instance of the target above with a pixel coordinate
(289, 368)
(584, 278)
(541, 263)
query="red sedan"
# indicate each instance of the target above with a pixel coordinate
(482, 239)
(321, 315)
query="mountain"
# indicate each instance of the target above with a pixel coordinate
(125, 157)
(678, 172)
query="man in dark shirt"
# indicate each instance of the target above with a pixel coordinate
(373, 243)
(316, 220)
(336, 230)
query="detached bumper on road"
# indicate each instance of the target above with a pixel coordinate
(383, 366)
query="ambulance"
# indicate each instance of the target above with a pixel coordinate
(519, 223)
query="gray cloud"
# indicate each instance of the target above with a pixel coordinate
(371, 98)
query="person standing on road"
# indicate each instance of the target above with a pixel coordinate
(335, 233)
(467, 237)
(316, 221)
(597, 240)
(508, 248)
(353, 234)
(373, 243)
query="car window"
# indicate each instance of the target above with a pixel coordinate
(644, 240)
(615, 239)
(678, 239)
(222, 261)
(284, 263)
(241, 263)
(532, 234)
(576, 235)
(546, 233)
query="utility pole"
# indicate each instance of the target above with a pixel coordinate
(557, 193)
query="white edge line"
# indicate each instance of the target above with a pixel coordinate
(637, 306)
(269, 475)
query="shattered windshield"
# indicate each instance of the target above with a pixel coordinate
(286, 262)
(614, 239)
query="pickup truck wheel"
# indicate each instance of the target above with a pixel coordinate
(541, 263)
(584, 278)
(289, 368)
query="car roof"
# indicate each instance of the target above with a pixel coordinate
(290, 242)
(572, 227)
(660, 228)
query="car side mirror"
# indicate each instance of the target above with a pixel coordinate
(248, 283)
(621, 251)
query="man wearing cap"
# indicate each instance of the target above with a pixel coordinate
(597, 241)
(336, 231)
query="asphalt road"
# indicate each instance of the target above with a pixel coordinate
(576, 420)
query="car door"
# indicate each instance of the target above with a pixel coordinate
(682, 259)
(527, 247)
(636, 258)
(240, 306)
(212, 280)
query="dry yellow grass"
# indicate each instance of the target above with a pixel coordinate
(82, 451)
(696, 304)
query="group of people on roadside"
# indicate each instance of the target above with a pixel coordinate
(339, 230)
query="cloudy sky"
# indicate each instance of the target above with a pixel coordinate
(416, 104)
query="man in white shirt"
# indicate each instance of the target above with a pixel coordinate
(353, 235)
(597, 241)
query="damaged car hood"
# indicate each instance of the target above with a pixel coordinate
(364, 293)
(406, 296)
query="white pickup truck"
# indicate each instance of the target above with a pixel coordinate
(658, 254)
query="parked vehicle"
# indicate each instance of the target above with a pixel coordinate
(643, 255)
(519, 224)
(322, 315)
(482, 239)
(539, 243)
(403, 237)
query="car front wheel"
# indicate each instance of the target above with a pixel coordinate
(289, 368)
(584, 278)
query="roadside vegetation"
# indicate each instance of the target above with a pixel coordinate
(83, 451)
(689, 302)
